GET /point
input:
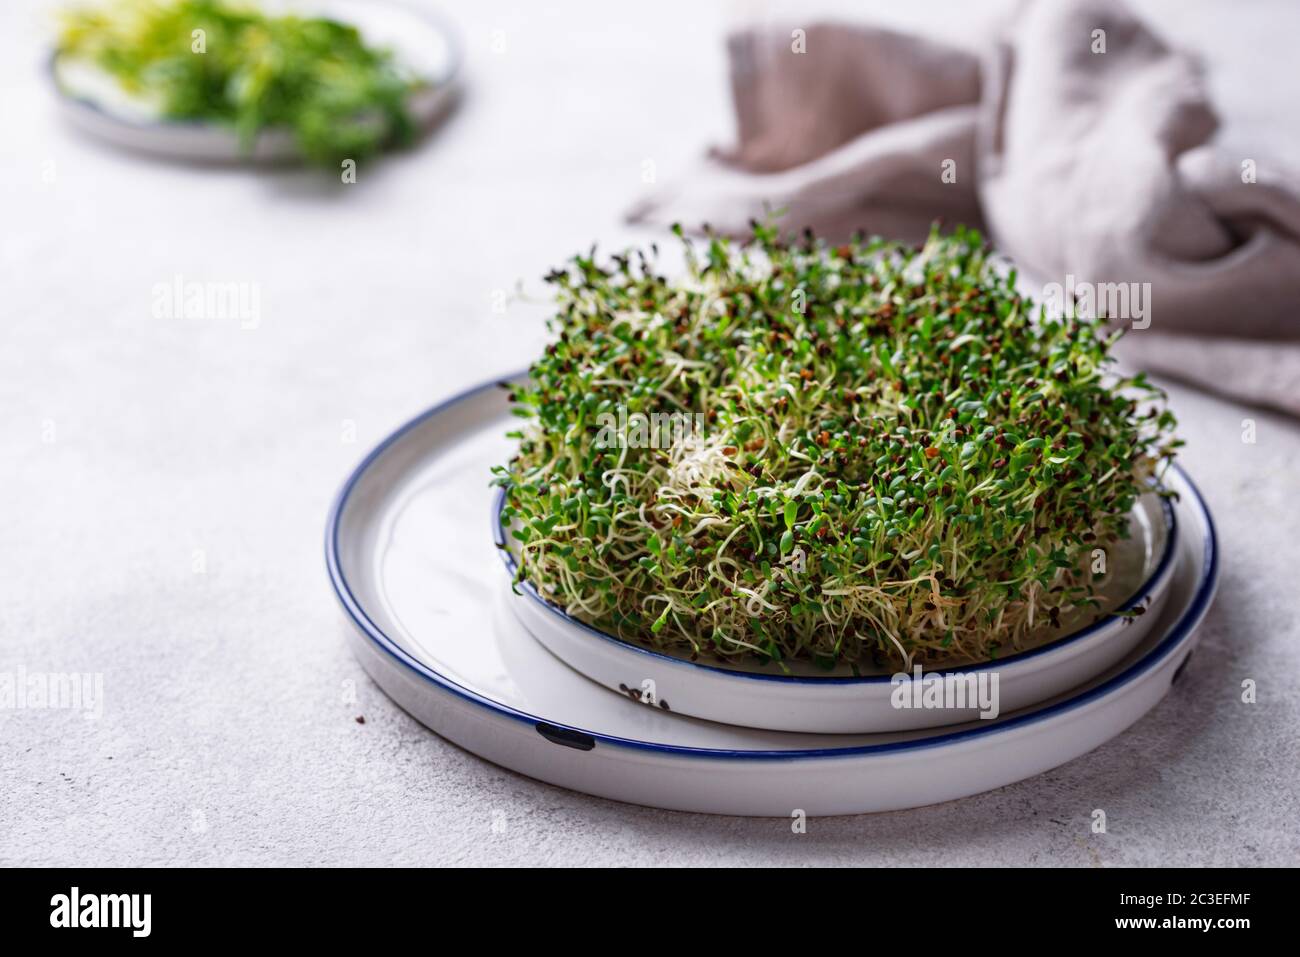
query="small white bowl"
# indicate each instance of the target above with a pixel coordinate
(809, 700)
(92, 100)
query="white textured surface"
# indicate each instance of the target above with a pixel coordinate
(225, 736)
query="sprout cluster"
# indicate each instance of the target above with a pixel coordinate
(900, 460)
(229, 62)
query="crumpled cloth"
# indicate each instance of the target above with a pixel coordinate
(1086, 156)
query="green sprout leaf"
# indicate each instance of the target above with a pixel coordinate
(955, 455)
(226, 62)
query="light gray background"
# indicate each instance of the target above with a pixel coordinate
(226, 737)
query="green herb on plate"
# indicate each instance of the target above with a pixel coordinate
(316, 77)
(899, 458)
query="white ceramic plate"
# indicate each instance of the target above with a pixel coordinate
(839, 702)
(411, 561)
(93, 101)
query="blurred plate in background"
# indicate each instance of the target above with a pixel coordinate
(421, 41)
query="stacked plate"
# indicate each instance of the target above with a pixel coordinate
(415, 552)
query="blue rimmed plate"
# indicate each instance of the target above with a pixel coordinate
(420, 581)
(805, 698)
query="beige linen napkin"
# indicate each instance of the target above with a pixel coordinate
(1078, 139)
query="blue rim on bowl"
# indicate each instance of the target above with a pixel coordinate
(1186, 623)
(1164, 568)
